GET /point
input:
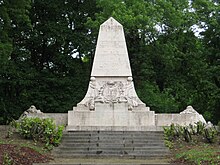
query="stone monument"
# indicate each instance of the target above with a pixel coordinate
(111, 102)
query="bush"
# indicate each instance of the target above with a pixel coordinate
(210, 134)
(38, 129)
(186, 133)
(170, 132)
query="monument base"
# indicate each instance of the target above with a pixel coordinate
(113, 128)
(117, 117)
(111, 117)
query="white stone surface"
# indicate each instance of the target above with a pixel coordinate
(111, 79)
(110, 90)
(111, 56)
(111, 102)
(107, 115)
(114, 128)
(31, 110)
(186, 117)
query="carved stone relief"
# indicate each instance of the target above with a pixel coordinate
(111, 92)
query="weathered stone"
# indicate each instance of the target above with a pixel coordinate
(209, 125)
(111, 99)
(186, 117)
(31, 110)
(111, 79)
(111, 102)
(189, 110)
(111, 56)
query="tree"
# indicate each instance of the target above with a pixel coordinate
(168, 59)
(14, 26)
(42, 39)
(47, 47)
(209, 20)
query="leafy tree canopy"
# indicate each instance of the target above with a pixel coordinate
(47, 47)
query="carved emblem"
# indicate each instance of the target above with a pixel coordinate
(111, 92)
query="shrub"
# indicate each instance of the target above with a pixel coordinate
(173, 132)
(170, 132)
(186, 134)
(7, 160)
(200, 128)
(38, 129)
(210, 134)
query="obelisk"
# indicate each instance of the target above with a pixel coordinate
(111, 102)
(111, 56)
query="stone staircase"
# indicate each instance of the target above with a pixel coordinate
(123, 144)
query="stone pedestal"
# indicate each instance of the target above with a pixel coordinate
(108, 116)
(111, 101)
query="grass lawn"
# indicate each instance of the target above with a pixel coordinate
(196, 152)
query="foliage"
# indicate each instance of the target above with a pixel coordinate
(7, 160)
(170, 132)
(167, 54)
(175, 132)
(210, 134)
(169, 144)
(40, 129)
(200, 128)
(195, 144)
(198, 156)
(39, 64)
(186, 134)
(47, 47)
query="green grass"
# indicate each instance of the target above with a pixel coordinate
(201, 154)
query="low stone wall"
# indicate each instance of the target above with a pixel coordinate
(180, 119)
(59, 118)
(160, 120)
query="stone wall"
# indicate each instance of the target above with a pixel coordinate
(59, 118)
(180, 119)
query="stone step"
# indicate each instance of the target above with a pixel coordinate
(113, 137)
(110, 132)
(112, 148)
(112, 154)
(112, 144)
(111, 141)
(70, 144)
(113, 133)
